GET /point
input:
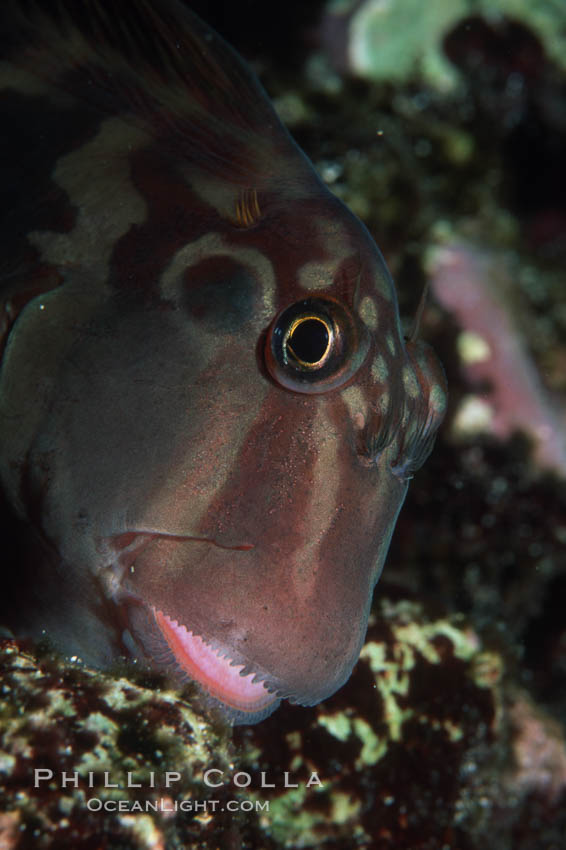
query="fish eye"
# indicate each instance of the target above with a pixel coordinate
(308, 341)
(315, 345)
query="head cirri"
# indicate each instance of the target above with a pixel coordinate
(208, 412)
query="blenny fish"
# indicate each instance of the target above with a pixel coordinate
(208, 412)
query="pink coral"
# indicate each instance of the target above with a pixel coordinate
(473, 284)
(539, 750)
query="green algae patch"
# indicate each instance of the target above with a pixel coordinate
(77, 744)
(421, 704)
(399, 40)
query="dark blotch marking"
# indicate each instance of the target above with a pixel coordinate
(220, 294)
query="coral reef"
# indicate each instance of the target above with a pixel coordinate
(392, 41)
(82, 754)
(460, 186)
(475, 286)
(404, 751)
(425, 744)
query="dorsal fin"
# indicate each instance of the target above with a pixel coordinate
(161, 67)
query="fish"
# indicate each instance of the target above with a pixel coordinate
(209, 414)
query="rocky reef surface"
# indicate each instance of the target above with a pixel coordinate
(451, 731)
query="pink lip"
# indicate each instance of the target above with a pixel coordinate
(211, 668)
(131, 543)
(213, 671)
(127, 539)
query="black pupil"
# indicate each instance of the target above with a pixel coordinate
(309, 341)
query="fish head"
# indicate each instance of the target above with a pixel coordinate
(231, 460)
(211, 410)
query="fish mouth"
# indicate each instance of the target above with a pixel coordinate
(238, 690)
(239, 687)
(242, 693)
(129, 544)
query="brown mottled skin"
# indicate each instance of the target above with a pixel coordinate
(162, 233)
